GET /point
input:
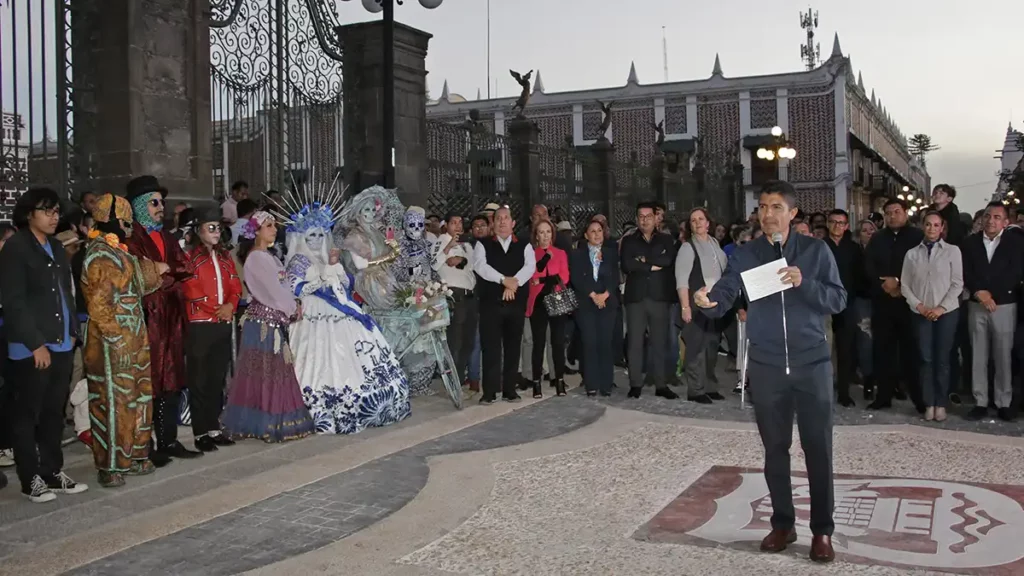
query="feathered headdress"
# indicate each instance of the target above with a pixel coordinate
(315, 204)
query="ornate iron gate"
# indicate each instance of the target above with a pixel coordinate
(35, 97)
(276, 92)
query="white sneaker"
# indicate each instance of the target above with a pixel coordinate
(61, 483)
(6, 458)
(39, 492)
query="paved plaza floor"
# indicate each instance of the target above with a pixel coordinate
(560, 486)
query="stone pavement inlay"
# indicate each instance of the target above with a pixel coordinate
(326, 511)
(730, 409)
(969, 528)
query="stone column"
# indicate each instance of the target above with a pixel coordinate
(363, 89)
(141, 73)
(525, 159)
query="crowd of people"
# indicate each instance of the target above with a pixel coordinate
(118, 308)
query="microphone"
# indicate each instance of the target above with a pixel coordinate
(777, 242)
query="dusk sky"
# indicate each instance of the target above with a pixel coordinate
(940, 67)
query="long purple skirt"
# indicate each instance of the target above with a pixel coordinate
(264, 400)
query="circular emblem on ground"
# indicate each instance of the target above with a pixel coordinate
(941, 525)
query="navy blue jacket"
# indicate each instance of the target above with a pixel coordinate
(820, 294)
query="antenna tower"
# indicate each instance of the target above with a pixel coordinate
(664, 52)
(810, 52)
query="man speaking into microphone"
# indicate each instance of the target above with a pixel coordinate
(789, 360)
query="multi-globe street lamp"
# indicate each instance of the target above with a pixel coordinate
(388, 104)
(780, 148)
(913, 203)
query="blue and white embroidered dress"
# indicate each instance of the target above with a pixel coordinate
(349, 376)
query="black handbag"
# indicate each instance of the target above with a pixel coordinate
(561, 302)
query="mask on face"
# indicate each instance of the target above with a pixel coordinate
(414, 225)
(315, 239)
(140, 207)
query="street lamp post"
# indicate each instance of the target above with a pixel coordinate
(913, 203)
(779, 148)
(388, 72)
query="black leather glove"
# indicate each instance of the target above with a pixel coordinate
(543, 262)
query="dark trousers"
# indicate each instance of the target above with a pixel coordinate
(462, 330)
(6, 401)
(935, 340)
(207, 360)
(539, 322)
(165, 418)
(961, 368)
(895, 348)
(501, 338)
(844, 332)
(39, 399)
(776, 396)
(597, 342)
(647, 316)
(619, 334)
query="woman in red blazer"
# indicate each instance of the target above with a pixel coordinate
(552, 275)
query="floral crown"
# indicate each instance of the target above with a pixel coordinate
(253, 224)
(315, 204)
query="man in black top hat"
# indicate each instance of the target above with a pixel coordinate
(165, 313)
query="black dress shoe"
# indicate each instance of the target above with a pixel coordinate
(159, 458)
(571, 372)
(666, 393)
(513, 397)
(899, 394)
(1006, 414)
(715, 396)
(880, 404)
(486, 399)
(847, 402)
(205, 444)
(176, 450)
(524, 384)
(634, 392)
(591, 393)
(222, 440)
(977, 413)
(699, 399)
(605, 394)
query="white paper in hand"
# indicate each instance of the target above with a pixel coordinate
(764, 280)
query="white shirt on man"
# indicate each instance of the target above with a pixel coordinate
(991, 244)
(485, 271)
(450, 275)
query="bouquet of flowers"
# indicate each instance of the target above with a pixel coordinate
(421, 294)
(427, 302)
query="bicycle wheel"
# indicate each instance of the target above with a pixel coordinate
(446, 365)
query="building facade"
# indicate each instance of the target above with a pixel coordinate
(1010, 157)
(849, 150)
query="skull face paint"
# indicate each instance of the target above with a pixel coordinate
(315, 239)
(414, 225)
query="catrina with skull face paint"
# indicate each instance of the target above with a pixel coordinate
(349, 377)
(414, 258)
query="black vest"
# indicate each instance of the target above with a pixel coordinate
(507, 264)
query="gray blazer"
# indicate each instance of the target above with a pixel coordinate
(933, 281)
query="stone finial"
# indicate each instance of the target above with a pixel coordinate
(444, 92)
(633, 79)
(538, 84)
(860, 81)
(873, 96)
(717, 70)
(837, 51)
(478, 94)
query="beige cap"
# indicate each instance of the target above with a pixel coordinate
(491, 207)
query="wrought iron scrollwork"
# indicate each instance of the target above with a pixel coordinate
(312, 72)
(224, 12)
(241, 53)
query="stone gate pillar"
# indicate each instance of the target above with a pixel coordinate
(363, 99)
(141, 103)
(525, 159)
